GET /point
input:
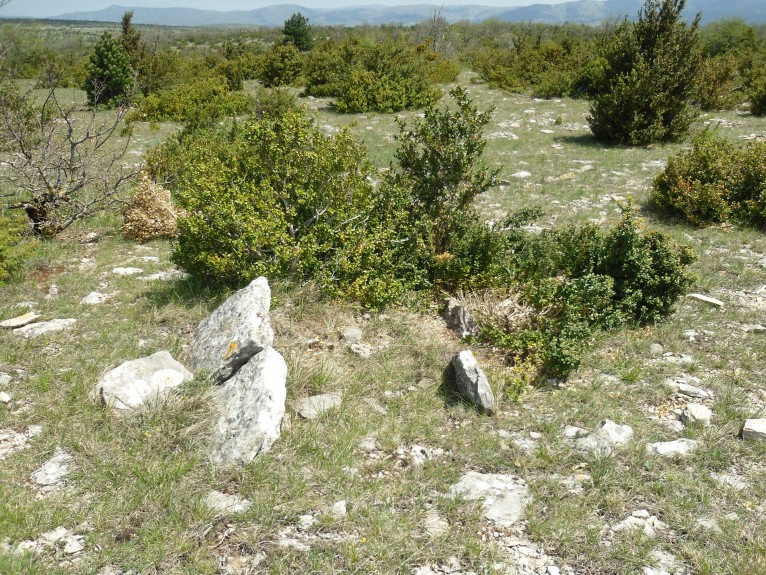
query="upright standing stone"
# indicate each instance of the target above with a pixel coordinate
(471, 381)
(250, 409)
(235, 332)
(459, 318)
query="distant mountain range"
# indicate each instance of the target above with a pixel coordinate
(585, 11)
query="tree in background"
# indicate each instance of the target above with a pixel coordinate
(110, 75)
(649, 78)
(297, 32)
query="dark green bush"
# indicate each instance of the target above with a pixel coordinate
(713, 182)
(650, 77)
(544, 67)
(110, 75)
(581, 279)
(297, 32)
(757, 93)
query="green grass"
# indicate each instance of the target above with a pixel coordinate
(138, 482)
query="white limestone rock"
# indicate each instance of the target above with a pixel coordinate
(706, 299)
(20, 321)
(236, 331)
(504, 497)
(471, 381)
(314, 406)
(53, 473)
(223, 503)
(94, 298)
(138, 381)
(126, 271)
(680, 447)
(338, 509)
(614, 433)
(754, 429)
(12, 441)
(696, 413)
(38, 329)
(250, 408)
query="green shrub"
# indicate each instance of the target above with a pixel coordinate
(202, 101)
(650, 77)
(14, 249)
(581, 279)
(366, 76)
(280, 65)
(757, 93)
(274, 102)
(544, 67)
(714, 182)
(721, 85)
(110, 76)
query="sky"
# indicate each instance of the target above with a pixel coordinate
(48, 8)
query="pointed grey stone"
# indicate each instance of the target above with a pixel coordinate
(471, 381)
(459, 318)
(250, 409)
(135, 382)
(236, 331)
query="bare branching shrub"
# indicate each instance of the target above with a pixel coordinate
(64, 159)
(149, 213)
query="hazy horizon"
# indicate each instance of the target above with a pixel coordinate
(51, 8)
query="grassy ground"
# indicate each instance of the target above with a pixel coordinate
(137, 484)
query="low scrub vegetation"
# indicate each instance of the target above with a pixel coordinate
(278, 197)
(376, 76)
(714, 182)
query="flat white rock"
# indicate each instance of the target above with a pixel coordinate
(53, 472)
(225, 503)
(705, 299)
(138, 381)
(504, 497)
(21, 320)
(52, 326)
(127, 271)
(12, 441)
(314, 406)
(681, 447)
(522, 175)
(93, 298)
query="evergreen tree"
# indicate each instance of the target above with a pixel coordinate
(649, 78)
(297, 31)
(110, 75)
